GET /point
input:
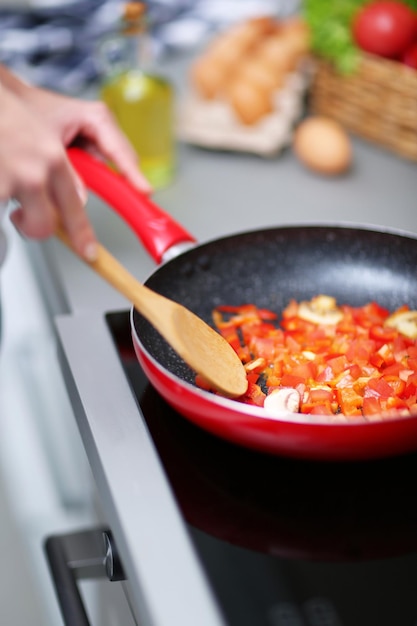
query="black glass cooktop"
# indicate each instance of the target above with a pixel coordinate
(287, 542)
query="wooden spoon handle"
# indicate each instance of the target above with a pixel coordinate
(145, 300)
(199, 345)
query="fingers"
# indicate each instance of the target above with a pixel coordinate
(69, 197)
(101, 129)
(59, 197)
(38, 222)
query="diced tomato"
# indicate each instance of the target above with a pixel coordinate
(355, 371)
(367, 367)
(326, 375)
(360, 350)
(387, 354)
(400, 345)
(394, 369)
(412, 363)
(320, 409)
(410, 390)
(412, 351)
(254, 395)
(376, 359)
(266, 314)
(288, 380)
(396, 403)
(263, 347)
(320, 395)
(338, 364)
(350, 402)
(397, 385)
(412, 379)
(382, 333)
(318, 401)
(378, 387)
(370, 314)
(306, 371)
(292, 344)
(371, 406)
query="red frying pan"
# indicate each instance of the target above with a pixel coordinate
(266, 267)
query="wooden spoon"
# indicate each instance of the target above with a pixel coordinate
(199, 345)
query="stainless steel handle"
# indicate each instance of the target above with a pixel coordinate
(75, 556)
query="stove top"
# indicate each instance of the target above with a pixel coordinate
(287, 542)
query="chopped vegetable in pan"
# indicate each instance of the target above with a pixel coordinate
(322, 358)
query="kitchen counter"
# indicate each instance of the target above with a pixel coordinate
(213, 194)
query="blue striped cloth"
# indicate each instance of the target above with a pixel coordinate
(57, 47)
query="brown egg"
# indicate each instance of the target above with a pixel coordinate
(323, 146)
(277, 53)
(259, 74)
(297, 27)
(208, 77)
(249, 103)
(297, 37)
(226, 51)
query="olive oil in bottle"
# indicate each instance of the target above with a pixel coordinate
(141, 101)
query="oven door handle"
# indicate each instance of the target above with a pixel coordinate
(75, 556)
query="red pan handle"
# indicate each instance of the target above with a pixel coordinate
(157, 231)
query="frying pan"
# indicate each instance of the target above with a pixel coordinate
(267, 267)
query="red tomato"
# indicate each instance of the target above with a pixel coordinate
(410, 56)
(386, 28)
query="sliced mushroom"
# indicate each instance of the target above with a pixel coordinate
(320, 310)
(405, 322)
(285, 400)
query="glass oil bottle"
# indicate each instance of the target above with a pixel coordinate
(141, 101)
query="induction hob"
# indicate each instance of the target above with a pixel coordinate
(287, 542)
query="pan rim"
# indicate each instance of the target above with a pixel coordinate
(314, 225)
(337, 225)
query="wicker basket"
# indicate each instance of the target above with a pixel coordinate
(378, 102)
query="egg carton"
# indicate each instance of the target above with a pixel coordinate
(213, 124)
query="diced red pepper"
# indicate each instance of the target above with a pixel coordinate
(350, 402)
(370, 368)
(383, 334)
(371, 406)
(289, 380)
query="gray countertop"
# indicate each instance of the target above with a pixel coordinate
(213, 194)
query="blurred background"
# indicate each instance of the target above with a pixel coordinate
(53, 42)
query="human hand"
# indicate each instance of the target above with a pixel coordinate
(36, 126)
